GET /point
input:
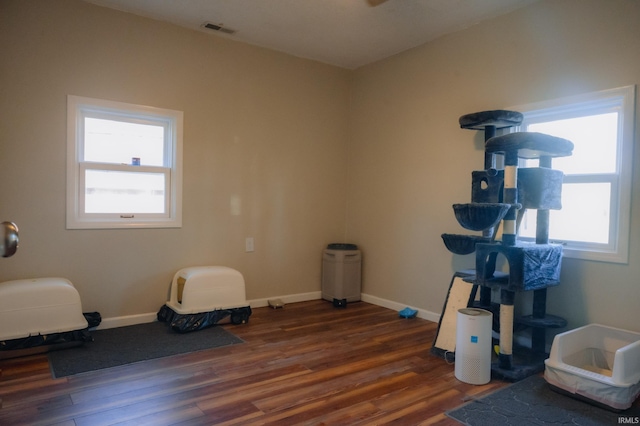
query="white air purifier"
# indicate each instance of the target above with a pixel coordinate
(473, 346)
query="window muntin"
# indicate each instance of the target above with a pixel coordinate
(594, 220)
(124, 165)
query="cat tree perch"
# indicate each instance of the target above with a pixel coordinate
(498, 200)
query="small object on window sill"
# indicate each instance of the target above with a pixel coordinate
(408, 313)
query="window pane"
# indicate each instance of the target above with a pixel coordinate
(595, 139)
(584, 216)
(118, 142)
(110, 191)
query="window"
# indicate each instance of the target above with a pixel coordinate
(123, 166)
(596, 193)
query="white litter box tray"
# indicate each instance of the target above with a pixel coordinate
(40, 306)
(597, 363)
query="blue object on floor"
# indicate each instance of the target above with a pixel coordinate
(408, 313)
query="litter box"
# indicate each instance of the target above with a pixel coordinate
(597, 363)
(41, 311)
(203, 296)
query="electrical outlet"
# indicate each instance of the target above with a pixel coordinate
(248, 244)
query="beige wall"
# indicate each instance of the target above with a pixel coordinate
(297, 141)
(262, 126)
(410, 161)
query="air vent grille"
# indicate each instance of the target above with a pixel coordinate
(218, 27)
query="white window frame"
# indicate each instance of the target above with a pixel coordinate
(172, 121)
(622, 101)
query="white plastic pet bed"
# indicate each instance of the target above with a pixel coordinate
(598, 363)
(41, 311)
(203, 296)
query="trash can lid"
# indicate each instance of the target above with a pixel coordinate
(342, 246)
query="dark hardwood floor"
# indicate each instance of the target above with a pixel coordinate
(308, 363)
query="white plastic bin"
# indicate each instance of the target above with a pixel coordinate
(596, 362)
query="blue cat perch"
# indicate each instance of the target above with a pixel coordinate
(532, 266)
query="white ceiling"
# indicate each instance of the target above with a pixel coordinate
(346, 33)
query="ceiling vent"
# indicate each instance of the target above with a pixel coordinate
(218, 27)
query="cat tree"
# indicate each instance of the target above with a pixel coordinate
(499, 199)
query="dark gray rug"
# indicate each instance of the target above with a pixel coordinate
(125, 345)
(532, 402)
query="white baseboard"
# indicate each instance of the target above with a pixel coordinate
(291, 298)
(127, 320)
(259, 303)
(389, 304)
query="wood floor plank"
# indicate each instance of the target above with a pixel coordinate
(166, 417)
(346, 416)
(324, 387)
(308, 363)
